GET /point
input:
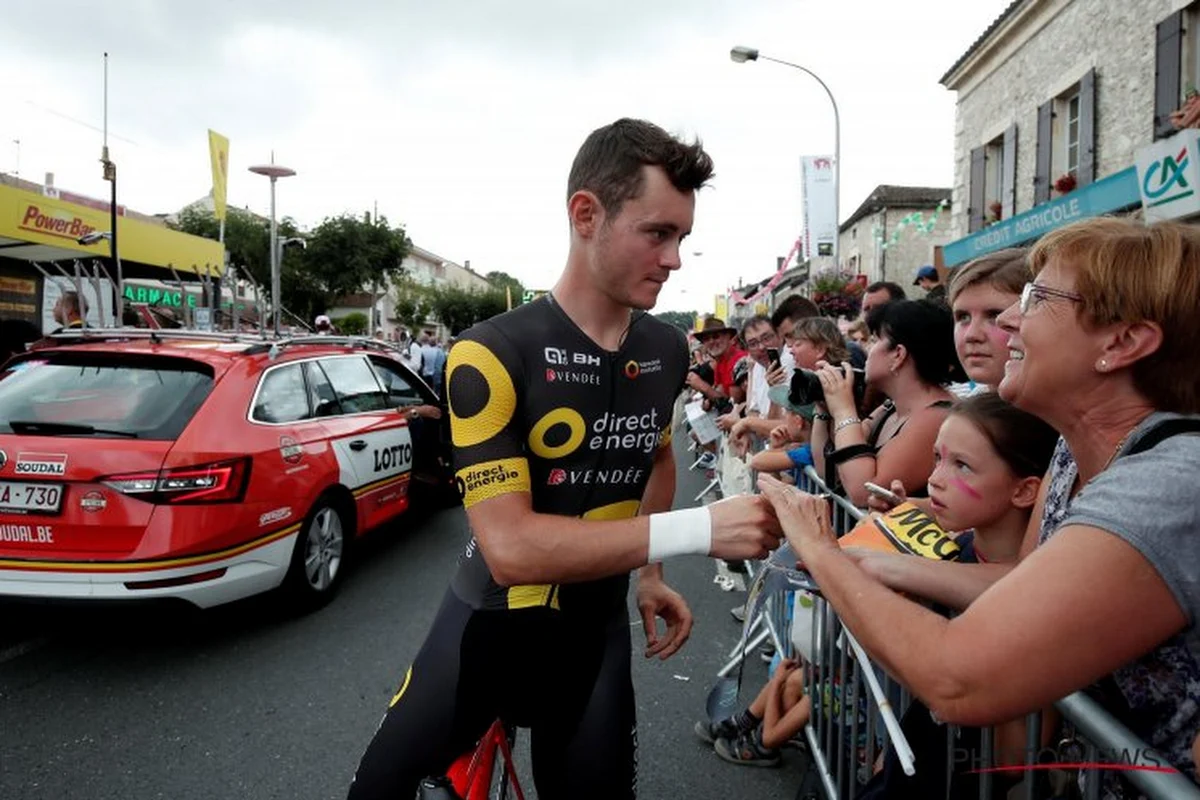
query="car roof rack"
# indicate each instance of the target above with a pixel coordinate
(255, 342)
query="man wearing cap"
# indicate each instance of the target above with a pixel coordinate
(718, 341)
(927, 279)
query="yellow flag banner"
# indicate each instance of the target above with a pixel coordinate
(218, 150)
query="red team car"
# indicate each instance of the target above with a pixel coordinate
(203, 468)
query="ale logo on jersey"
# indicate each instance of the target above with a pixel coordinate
(570, 367)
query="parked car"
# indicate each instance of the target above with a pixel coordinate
(205, 468)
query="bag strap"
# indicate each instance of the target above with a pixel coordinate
(1161, 431)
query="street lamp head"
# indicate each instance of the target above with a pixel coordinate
(742, 54)
(273, 170)
(93, 237)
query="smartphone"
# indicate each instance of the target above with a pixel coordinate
(886, 494)
(773, 355)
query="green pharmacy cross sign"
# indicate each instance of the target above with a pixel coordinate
(151, 296)
(159, 297)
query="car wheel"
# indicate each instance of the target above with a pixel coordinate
(319, 558)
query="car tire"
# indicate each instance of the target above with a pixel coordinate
(319, 558)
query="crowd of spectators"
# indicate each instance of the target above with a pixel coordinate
(1042, 407)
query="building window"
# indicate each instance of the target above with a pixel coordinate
(992, 187)
(1066, 140)
(994, 182)
(1065, 134)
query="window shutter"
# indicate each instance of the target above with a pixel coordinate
(1087, 129)
(975, 210)
(1168, 57)
(1008, 192)
(1041, 177)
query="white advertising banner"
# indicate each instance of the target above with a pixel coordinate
(820, 214)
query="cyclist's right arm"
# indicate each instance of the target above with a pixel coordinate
(521, 546)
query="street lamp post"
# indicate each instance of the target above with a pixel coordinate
(274, 172)
(741, 55)
(110, 175)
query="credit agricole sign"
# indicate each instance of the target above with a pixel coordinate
(1169, 175)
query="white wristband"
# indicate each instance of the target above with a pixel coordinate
(686, 531)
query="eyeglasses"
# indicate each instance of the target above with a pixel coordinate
(1033, 291)
(767, 340)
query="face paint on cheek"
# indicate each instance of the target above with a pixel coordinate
(966, 488)
(998, 337)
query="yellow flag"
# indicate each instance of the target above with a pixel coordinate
(218, 150)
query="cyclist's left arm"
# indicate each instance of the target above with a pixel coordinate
(654, 597)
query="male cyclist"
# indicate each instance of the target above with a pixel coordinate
(560, 415)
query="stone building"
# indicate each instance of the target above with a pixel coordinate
(894, 231)
(1056, 101)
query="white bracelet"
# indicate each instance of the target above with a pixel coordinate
(846, 423)
(686, 531)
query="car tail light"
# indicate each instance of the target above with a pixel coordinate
(219, 482)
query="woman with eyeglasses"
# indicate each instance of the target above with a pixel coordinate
(1105, 347)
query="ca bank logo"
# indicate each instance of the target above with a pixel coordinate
(1166, 180)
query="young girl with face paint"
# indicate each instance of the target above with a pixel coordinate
(988, 463)
(989, 459)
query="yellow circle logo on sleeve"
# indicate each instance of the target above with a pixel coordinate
(499, 405)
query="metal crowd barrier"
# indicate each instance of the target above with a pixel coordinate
(855, 705)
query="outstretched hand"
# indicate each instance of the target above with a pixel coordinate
(655, 599)
(803, 517)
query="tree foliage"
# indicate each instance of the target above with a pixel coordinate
(353, 324)
(502, 281)
(684, 320)
(346, 253)
(412, 302)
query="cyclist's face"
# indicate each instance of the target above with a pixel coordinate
(638, 248)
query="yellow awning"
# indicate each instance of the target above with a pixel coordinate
(38, 228)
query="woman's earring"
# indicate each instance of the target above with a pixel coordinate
(1103, 365)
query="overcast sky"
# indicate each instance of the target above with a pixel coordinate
(460, 118)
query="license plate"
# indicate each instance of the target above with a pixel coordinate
(40, 498)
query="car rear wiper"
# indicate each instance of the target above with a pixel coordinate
(63, 429)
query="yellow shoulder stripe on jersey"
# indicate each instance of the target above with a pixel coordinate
(664, 441)
(489, 479)
(403, 686)
(498, 407)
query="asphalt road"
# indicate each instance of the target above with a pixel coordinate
(250, 701)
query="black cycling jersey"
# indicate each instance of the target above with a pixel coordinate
(536, 406)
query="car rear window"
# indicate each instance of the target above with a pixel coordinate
(150, 397)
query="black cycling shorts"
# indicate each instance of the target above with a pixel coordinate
(564, 676)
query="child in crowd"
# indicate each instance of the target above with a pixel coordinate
(754, 736)
(989, 461)
(979, 292)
